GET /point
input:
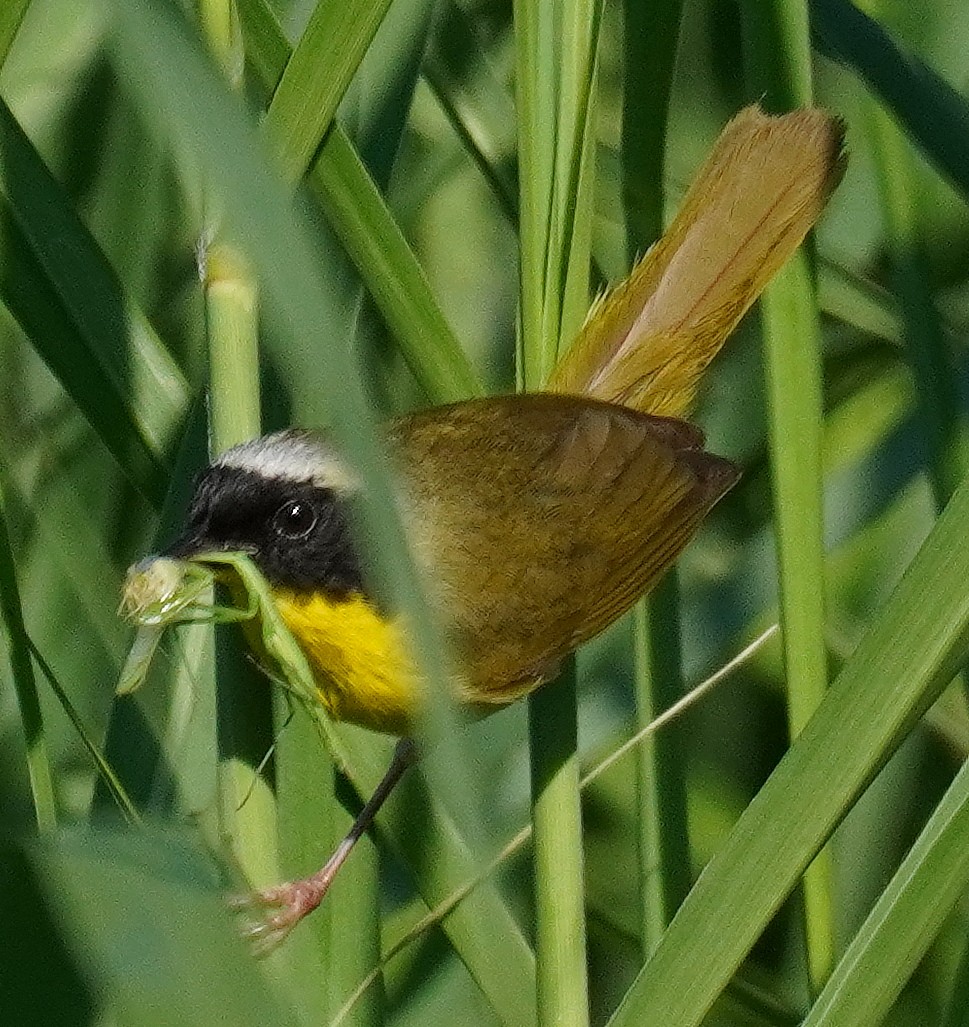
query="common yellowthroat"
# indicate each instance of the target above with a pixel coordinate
(535, 519)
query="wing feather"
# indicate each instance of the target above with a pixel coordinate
(538, 538)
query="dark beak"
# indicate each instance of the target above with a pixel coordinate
(188, 545)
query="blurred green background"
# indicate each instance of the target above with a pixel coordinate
(109, 925)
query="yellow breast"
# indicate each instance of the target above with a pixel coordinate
(362, 672)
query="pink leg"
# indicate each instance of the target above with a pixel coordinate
(286, 904)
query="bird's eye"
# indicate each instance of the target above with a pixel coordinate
(294, 519)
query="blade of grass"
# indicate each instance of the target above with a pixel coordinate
(556, 50)
(905, 659)
(38, 759)
(479, 107)
(187, 966)
(650, 39)
(316, 76)
(361, 219)
(247, 808)
(219, 23)
(158, 61)
(778, 66)
(957, 1013)
(102, 348)
(106, 772)
(651, 34)
(535, 104)
(904, 921)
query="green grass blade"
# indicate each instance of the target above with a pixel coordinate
(931, 112)
(361, 219)
(159, 62)
(477, 105)
(316, 77)
(957, 1011)
(904, 921)
(106, 772)
(556, 63)
(778, 60)
(535, 104)
(560, 942)
(390, 271)
(24, 683)
(101, 348)
(908, 655)
(650, 40)
(664, 840)
(187, 967)
(649, 55)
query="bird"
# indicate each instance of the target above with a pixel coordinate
(537, 519)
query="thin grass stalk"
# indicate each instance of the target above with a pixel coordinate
(536, 84)
(246, 807)
(555, 75)
(650, 37)
(219, 22)
(247, 814)
(778, 58)
(308, 829)
(356, 889)
(933, 114)
(663, 828)
(38, 760)
(651, 34)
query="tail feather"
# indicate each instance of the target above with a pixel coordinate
(646, 343)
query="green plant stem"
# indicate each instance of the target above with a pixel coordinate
(247, 810)
(555, 76)
(904, 921)
(664, 845)
(651, 34)
(219, 22)
(559, 892)
(778, 58)
(650, 38)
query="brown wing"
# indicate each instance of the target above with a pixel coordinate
(539, 519)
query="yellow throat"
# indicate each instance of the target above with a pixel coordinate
(357, 657)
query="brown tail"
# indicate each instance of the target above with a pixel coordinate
(646, 343)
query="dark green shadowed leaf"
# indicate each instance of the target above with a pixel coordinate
(57, 283)
(927, 107)
(147, 911)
